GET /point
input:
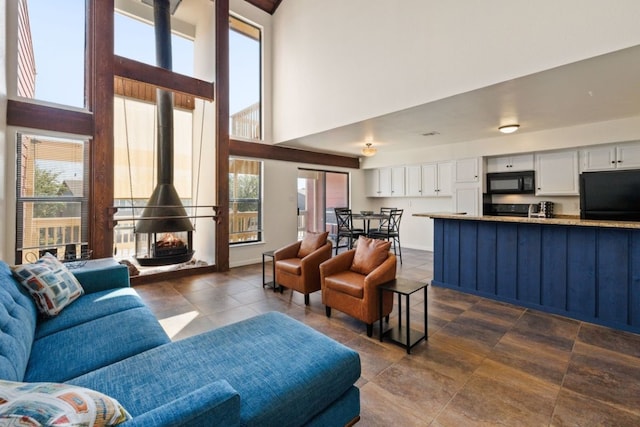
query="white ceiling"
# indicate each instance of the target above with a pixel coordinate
(599, 89)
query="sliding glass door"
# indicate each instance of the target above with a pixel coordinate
(319, 192)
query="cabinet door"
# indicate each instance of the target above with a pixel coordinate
(429, 180)
(397, 181)
(445, 179)
(384, 184)
(467, 170)
(414, 181)
(628, 156)
(467, 200)
(557, 174)
(598, 158)
(522, 162)
(372, 177)
(519, 162)
(498, 164)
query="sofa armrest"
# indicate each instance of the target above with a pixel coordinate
(216, 404)
(102, 274)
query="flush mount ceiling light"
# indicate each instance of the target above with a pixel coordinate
(368, 150)
(508, 128)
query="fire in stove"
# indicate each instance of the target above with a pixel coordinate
(169, 245)
(163, 248)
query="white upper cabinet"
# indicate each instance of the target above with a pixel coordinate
(414, 181)
(520, 162)
(467, 170)
(397, 181)
(622, 156)
(385, 182)
(557, 173)
(437, 179)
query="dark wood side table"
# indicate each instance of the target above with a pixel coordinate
(272, 282)
(404, 335)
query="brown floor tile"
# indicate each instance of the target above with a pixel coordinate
(498, 395)
(604, 375)
(610, 339)
(381, 408)
(575, 410)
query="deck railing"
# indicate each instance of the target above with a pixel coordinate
(246, 123)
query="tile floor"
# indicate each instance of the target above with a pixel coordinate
(486, 363)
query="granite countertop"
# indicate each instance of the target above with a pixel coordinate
(559, 220)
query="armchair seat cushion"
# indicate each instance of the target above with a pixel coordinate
(346, 282)
(291, 265)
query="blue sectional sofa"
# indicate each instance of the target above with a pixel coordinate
(269, 370)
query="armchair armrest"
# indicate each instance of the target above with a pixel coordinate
(315, 258)
(383, 273)
(216, 404)
(289, 251)
(338, 263)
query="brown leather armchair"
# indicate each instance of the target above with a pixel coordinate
(350, 281)
(297, 264)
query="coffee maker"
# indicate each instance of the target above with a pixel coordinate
(541, 210)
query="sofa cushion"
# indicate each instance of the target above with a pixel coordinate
(75, 351)
(17, 325)
(90, 307)
(284, 371)
(370, 254)
(57, 404)
(50, 283)
(311, 242)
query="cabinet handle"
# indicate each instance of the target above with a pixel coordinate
(619, 161)
(613, 162)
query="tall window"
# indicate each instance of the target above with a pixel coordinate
(51, 196)
(245, 201)
(245, 53)
(134, 39)
(45, 71)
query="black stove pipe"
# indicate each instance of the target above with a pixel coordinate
(164, 202)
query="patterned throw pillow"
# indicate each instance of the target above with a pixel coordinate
(50, 283)
(50, 404)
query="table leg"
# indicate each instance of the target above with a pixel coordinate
(399, 312)
(426, 318)
(408, 313)
(264, 280)
(380, 293)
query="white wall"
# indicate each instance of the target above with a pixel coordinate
(337, 62)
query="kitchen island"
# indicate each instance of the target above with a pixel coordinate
(583, 269)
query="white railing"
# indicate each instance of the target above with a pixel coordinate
(246, 123)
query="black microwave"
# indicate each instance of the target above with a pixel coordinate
(511, 182)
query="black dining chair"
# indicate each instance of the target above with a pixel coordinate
(389, 229)
(344, 218)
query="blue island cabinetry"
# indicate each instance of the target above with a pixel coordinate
(589, 272)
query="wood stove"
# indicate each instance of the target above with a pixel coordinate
(163, 232)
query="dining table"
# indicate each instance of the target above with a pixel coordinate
(366, 219)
